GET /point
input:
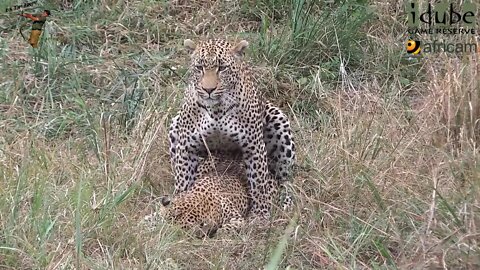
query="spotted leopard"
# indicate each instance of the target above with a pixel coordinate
(217, 201)
(222, 111)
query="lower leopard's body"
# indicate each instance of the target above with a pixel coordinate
(217, 201)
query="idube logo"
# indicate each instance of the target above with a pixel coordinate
(442, 18)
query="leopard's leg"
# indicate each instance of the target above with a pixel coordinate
(186, 162)
(211, 221)
(207, 229)
(184, 143)
(173, 139)
(279, 142)
(255, 158)
(232, 226)
(280, 150)
(285, 195)
(150, 222)
(232, 216)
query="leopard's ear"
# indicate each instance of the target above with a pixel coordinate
(190, 45)
(239, 49)
(165, 200)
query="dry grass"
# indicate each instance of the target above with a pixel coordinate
(387, 174)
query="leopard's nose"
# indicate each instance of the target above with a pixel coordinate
(209, 90)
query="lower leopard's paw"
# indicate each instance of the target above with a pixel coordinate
(260, 213)
(206, 229)
(259, 221)
(286, 197)
(150, 221)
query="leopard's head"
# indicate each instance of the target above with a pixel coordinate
(215, 69)
(191, 213)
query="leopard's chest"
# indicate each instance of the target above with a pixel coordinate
(220, 131)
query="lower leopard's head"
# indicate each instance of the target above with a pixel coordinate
(215, 69)
(198, 213)
(218, 196)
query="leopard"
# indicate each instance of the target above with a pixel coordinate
(223, 111)
(218, 201)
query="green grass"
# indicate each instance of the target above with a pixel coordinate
(387, 174)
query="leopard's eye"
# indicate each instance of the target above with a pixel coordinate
(199, 68)
(222, 68)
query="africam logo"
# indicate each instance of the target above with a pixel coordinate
(415, 47)
(441, 18)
